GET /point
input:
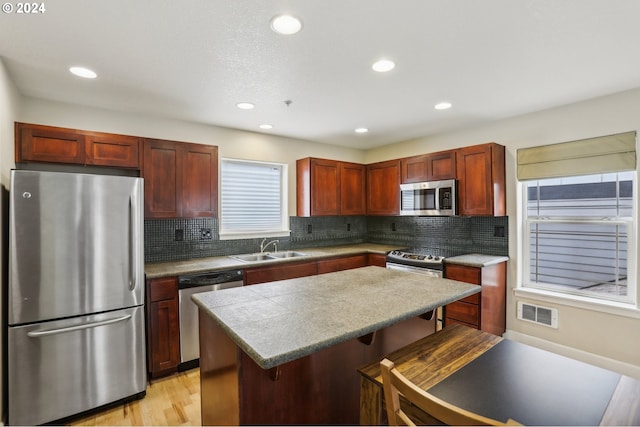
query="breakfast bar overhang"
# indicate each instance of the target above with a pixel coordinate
(287, 352)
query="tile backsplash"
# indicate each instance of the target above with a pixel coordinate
(186, 238)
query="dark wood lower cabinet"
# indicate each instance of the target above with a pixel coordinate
(342, 263)
(163, 322)
(292, 270)
(253, 276)
(485, 311)
(163, 332)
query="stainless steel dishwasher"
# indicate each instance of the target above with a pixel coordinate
(193, 284)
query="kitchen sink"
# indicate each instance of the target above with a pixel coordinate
(267, 256)
(253, 257)
(287, 254)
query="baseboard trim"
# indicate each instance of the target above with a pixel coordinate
(584, 356)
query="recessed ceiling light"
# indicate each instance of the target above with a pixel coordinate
(442, 106)
(286, 24)
(361, 130)
(383, 65)
(83, 72)
(266, 127)
(245, 106)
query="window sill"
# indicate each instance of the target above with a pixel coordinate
(255, 235)
(610, 307)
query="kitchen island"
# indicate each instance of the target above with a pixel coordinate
(287, 352)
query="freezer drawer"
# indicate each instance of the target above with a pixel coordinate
(64, 367)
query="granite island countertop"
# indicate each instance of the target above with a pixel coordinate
(278, 322)
(211, 264)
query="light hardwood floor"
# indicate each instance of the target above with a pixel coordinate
(170, 401)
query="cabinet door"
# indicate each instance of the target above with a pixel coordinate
(163, 325)
(162, 167)
(353, 197)
(441, 165)
(414, 169)
(113, 150)
(481, 180)
(429, 167)
(36, 143)
(272, 273)
(383, 188)
(199, 180)
(325, 187)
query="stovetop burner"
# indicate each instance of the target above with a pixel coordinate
(416, 259)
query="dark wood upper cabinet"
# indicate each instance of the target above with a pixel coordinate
(199, 180)
(383, 188)
(161, 170)
(181, 179)
(481, 180)
(429, 167)
(330, 187)
(48, 144)
(112, 150)
(353, 184)
(35, 143)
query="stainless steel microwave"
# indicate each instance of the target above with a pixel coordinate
(429, 198)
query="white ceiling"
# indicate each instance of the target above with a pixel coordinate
(196, 59)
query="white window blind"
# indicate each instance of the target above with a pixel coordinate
(252, 201)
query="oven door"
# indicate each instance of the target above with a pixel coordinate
(426, 272)
(412, 269)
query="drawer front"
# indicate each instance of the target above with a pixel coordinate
(464, 312)
(346, 263)
(254, 276)
(472, 299)
(163, 289)
(463, 273)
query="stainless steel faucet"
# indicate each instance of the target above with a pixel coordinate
(264, 246)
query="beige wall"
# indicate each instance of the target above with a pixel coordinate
(607, 335)
(9, 106)
(231, 143)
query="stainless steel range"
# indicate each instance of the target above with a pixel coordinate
(421, 263)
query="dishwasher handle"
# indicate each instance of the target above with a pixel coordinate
(211, 278)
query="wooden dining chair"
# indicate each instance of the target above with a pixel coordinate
(396, 384)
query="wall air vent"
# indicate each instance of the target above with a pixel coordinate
(537, 314)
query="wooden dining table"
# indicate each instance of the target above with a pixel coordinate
(501, 378)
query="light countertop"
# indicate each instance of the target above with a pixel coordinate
(197, 265)
(278, 322)
(476, 260)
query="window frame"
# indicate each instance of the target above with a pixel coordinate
(526, 289)
(283, 230)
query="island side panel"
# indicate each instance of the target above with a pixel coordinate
(218, 374)
(322, 388)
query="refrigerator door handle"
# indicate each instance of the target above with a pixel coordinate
(133, 255)
(46, 332)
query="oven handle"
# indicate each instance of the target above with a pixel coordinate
(417, 270)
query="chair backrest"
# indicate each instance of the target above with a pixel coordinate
(396, 384)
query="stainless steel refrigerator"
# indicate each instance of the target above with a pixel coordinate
(76, 334)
